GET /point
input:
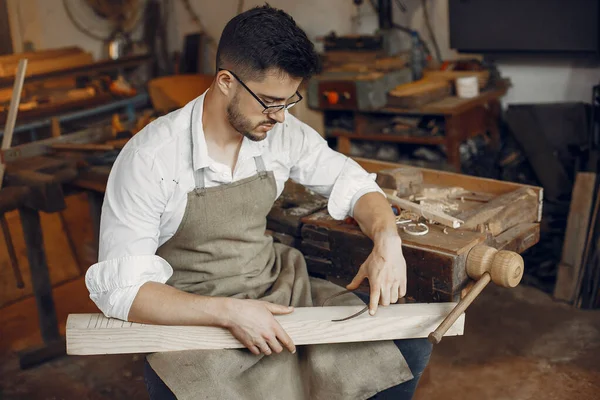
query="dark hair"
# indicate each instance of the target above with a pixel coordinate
(263, 38)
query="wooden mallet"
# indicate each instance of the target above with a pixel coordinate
(484, 263)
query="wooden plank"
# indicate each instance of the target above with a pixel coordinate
(503, 212)
(12, 113)
(40, 54)
(433, 215)
(37, 67)
(418, 93)
(594, 231)
(104, 65)
(89, 334)
(578, 223)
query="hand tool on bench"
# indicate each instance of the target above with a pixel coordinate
(485, 264)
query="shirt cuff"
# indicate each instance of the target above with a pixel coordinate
(352, 183)
(113, 284)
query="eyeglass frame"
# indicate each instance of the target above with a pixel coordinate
(265, 107)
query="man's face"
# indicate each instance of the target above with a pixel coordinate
(245, 113)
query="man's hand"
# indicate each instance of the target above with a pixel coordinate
(385, 268)
(253, 324)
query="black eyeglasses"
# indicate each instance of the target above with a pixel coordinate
(268, 109)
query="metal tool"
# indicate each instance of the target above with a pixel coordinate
(356, 314)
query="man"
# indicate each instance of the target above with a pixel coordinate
(183, 234)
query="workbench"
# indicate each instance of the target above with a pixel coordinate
(334, 250)
(35, 185)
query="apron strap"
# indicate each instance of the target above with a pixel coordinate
(199, 181)
(260, 166)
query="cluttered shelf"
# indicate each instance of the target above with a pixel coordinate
(449, 121)
(64, 89)
(386, 104)
(452, 105)
(387, 137)
(82, 69)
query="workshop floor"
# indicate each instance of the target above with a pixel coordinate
(518, 344)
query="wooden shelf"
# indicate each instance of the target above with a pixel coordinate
(432, 140)
(450, 105)
(100, 66)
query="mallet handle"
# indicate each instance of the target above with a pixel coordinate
(436, 336)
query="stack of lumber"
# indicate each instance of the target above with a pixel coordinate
(45, 60)
(578, 278)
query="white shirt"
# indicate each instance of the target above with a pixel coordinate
(146, 193)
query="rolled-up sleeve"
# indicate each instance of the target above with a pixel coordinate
(134, 201)
(327, 172)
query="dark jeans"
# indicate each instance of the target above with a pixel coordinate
(415, 351)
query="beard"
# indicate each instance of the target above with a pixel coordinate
(242, 124)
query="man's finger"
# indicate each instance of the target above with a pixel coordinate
(264, 347)
(285, 339)
(274, 344)
(277, 309)
(402, 289)
(374, 300)
(394, 293)
(360, 276)
(385, 295)
(255, 350)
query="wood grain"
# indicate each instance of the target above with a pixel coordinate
(89, 334)
(578, 223)
(444, 178)
(52, 64)
(430, 214)
(418, 93)
(38, 55)
(502, 212)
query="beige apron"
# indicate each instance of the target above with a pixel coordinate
(221, 249)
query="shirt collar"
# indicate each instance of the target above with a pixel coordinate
(200, 157)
